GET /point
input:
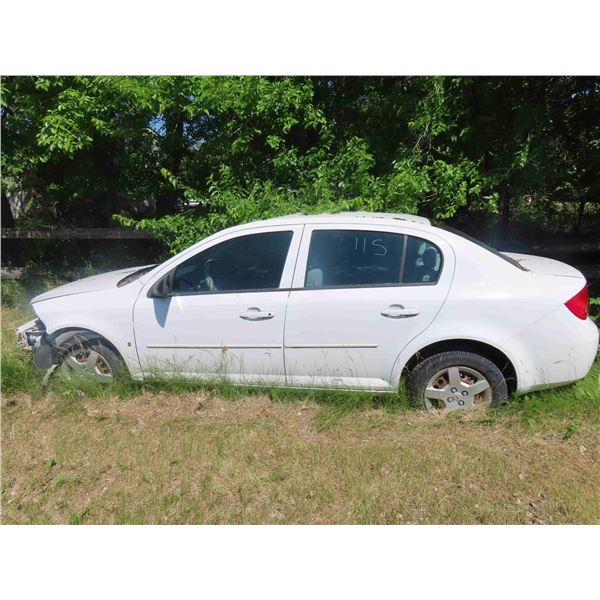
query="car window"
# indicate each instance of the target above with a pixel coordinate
(353, 258)
(423, 261)
(481, 244)
(248, 262)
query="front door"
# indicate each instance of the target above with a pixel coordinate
(361, 293)
(226, 314)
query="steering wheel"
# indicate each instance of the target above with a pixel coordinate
(187, 278)
(207, 282)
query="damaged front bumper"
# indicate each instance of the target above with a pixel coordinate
(32, 336)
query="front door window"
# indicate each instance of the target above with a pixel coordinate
(246, 263)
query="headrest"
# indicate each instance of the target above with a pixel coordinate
(314, 278)
(430, 258)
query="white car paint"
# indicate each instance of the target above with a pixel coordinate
(331, 337)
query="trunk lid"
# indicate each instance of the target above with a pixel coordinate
(544, 266)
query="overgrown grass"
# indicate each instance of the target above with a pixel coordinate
(182, 452)
(579, 401)
(200, 458)
(17, 372)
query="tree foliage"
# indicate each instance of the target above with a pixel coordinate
(184, 156)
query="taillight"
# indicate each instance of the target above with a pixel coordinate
(578, 304)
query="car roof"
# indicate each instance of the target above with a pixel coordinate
(391, 218)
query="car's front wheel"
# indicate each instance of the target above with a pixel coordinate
(86, 356)
(457, 380)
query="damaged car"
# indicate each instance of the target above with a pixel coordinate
(358, 301)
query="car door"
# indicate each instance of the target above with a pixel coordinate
(225, 314)
(360, 294)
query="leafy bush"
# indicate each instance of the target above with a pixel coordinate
(595, 309)
(342, 184)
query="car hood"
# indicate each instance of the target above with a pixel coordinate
(96, 283)
(544, 266)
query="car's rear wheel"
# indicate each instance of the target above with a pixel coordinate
(87, 357)
(457, 380)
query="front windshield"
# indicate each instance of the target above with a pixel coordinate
(479, 243)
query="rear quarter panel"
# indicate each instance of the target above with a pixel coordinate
(492, 301)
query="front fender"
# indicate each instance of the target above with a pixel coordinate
(108, 314)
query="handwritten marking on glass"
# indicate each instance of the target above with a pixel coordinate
(358, 246)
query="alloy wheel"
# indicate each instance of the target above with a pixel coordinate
(87, 363)
(457, 388)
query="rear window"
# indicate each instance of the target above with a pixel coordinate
(481, 244)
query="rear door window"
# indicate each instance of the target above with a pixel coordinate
(349, 258)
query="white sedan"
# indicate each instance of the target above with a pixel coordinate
(350, 300)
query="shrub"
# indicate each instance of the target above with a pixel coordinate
(12, 292)
(595, 309)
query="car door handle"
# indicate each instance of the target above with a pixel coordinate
(397, 311)
(255, 314)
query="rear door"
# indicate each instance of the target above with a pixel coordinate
(360, 294)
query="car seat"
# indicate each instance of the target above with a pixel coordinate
(428, 271)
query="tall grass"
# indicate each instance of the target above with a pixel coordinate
(576, 402)
(197, 452)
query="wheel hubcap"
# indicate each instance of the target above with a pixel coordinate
(88, 364)
(457, 388)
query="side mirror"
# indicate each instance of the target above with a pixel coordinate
(163, 288)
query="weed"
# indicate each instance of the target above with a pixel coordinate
(579, 401)
(77, 518)
(570, 430)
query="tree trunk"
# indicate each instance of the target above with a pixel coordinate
(580, 214)
(500, 230)
(174, 146)
(505, 219)
(8, 219)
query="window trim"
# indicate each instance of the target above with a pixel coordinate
(373, 285)
(307, 289)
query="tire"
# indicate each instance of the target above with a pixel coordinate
(86, 355)
(443, 382)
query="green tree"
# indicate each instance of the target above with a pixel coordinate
(193, 154)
